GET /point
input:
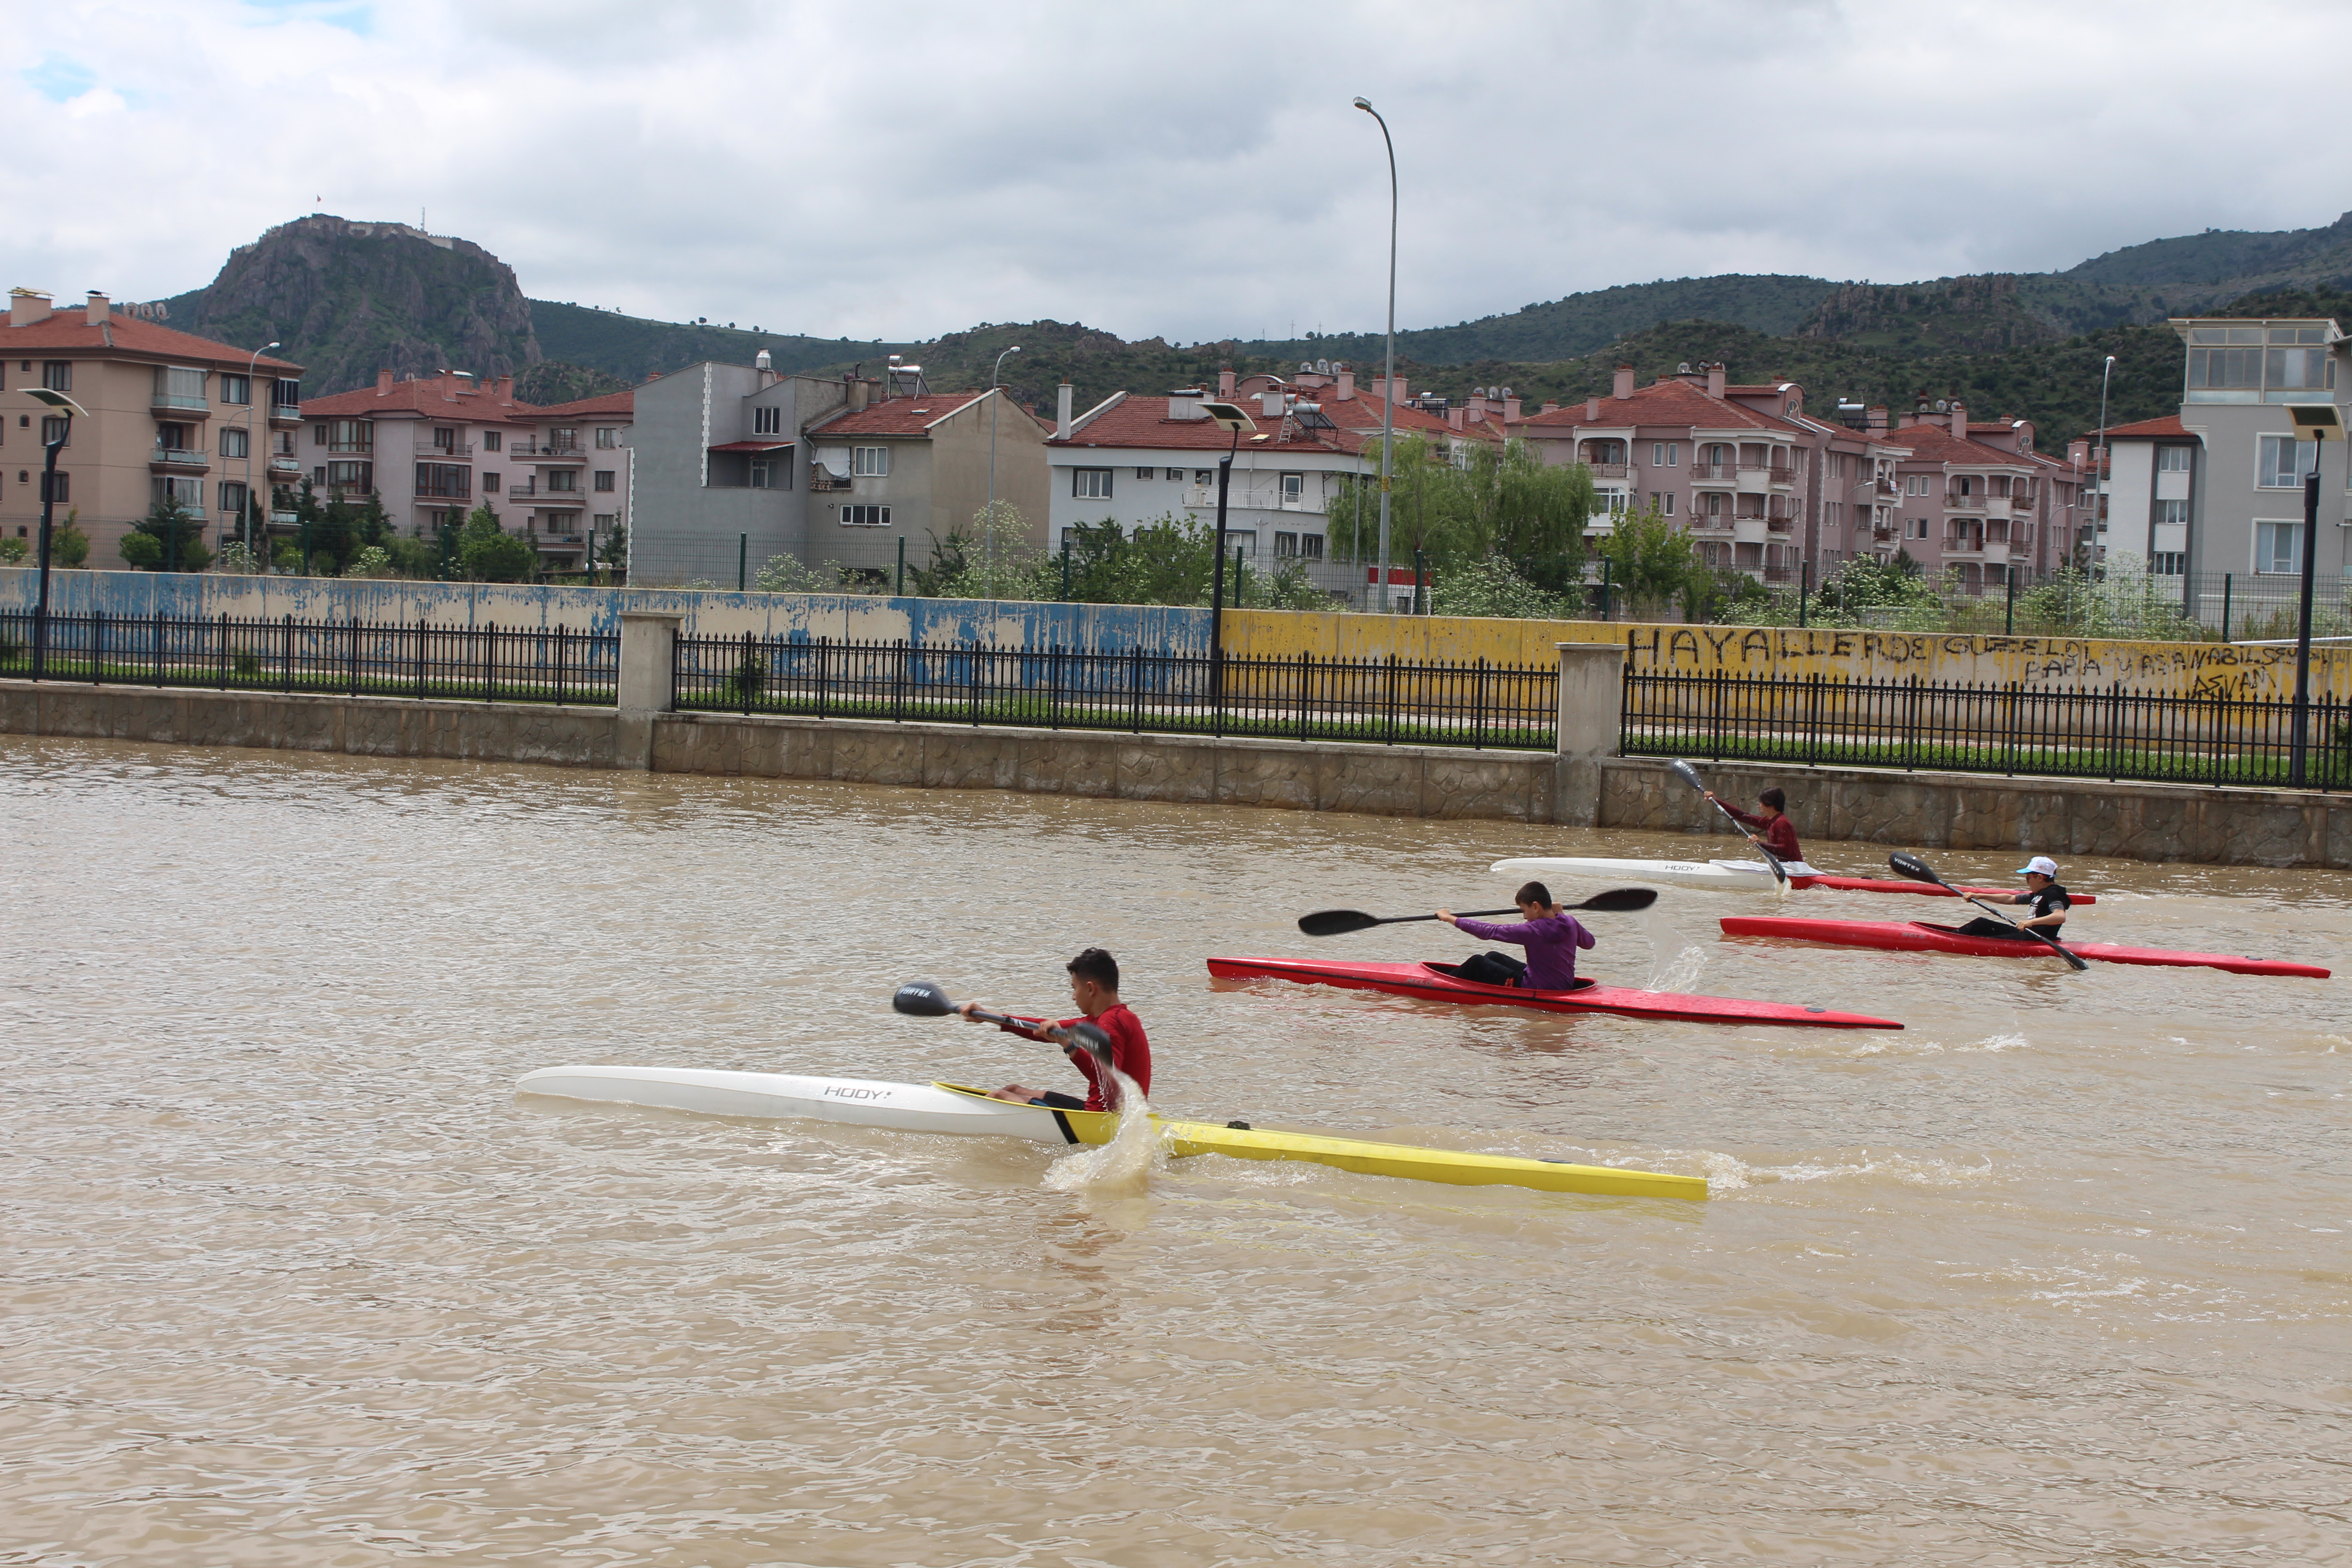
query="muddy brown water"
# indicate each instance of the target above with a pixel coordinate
(2058, 1274)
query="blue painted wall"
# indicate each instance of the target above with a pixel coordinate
(787, 617)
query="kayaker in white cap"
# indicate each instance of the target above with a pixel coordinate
(2042, 890)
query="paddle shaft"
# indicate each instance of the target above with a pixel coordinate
(1780, 872)
(2073, 960)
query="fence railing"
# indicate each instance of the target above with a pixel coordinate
(351, 657)
(1995, 728)
(1477, 704)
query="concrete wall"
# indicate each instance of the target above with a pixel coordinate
(706, 614)
(2061, 817)
(959, 479)
(2201, 669)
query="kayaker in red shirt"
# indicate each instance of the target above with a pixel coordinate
(1771, 826)
(1094, 988)
(1549, 933)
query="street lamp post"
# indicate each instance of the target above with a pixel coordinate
(2099, 513)
(1231, 417)
(67, 408)
(995, 399)
(1388, 383)
(245, 523)
(2321, 423)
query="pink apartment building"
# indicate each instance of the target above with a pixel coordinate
(567, 485)
(1978, 503)
(432, 448)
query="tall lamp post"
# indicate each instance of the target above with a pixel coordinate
(995, 384)
(65, 409)
(1388, 383)
(2099, 512)
(2318, 423)
(245, 523)
(1232, 417)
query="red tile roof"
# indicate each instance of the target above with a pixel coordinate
(1936, 444)
(897, 416)
(428, 397)
(611, 405)
(71, 332)
(1355, 425)
(2168, 428)
(1672, 403)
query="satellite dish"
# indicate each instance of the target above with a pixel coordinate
(1322, 367)
(1683, 369)
(1306, 367)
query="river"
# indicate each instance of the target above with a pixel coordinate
(2056, 1275)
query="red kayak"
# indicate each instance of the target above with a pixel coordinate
(1439, 983)
(1895, 885)
(1920, 936)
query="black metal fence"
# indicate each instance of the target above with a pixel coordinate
(353, 657)
(1477, 704)
(1996, 728)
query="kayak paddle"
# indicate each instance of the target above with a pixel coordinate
(1918, 870)
(1339, 923)
(928, 999)
(1690, 776)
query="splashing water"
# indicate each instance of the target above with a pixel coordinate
(1679, 973)
(1121, 1168)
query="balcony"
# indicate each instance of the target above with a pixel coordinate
(1966, 544)
(175, 403)
(1998, 506)
(285, 465)
(1609, 470)
(178, 459)
(552, 452)
(1711, 523)
(1777, 523)
(286, 413)
(285, 519)
(1783, 476)
(1953, 502)
(531, 489)
(1753, 478)
(1712, 474)
(453, 452)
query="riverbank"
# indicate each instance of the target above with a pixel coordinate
(1907, 810)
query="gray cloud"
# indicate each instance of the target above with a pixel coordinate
(1192, 170)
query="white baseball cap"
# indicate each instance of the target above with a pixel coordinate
(2040, 866)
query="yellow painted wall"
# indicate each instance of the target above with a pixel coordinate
(2203, 669)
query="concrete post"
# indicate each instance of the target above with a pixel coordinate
(1591, 702)
(648, 655)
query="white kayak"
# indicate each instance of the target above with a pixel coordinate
(950, 1108)
(1722, 874)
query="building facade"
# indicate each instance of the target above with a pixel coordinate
(431, 448)
(2142, 507)
(170, 416)
(567, 484)
(2245, 485)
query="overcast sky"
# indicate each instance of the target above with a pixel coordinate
(1192, 170)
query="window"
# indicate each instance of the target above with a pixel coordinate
(2173, 460)
(763, 476)
(60, 491)
(605, 479)
(1285, 546)
(2168, 563)
(57, 374)
(1615, 500)
(1090, 484)
(1916, 526)
(1143, 473)
(764, 422)
(2278, 547)
(236, 389)
(2284, 460)
(493, 440)
(232, 498)
(56, 428)
(874, 463)
(1665, 454)
(563, 479)
(1310, 547)
(357, 435)
(179, 386)
(1175, 476)
(2171, 512)
(1294, 488)
(563, 438)
(288, 395)
(232, 442)
(605, 433)
(866, 517)
(351, 475)
(445, 438)
(1205, 476)
(449, 482)
(604, 521)
(166, 491)
(492, 481)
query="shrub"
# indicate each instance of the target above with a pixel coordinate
(69, 546)
(748, 680)
(369, 561)
(13, 549)
(247, 664)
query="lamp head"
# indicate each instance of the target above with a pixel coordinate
(57, 400)
(1365, 104)
(266, 347)
(2317, 421)
(1229, 417)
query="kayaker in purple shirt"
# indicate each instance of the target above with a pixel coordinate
(1550, 935)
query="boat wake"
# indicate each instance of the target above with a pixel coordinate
(1123, 1167)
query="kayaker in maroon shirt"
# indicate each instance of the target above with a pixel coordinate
(1771, 826)
(1094, 987)
(1549, 933)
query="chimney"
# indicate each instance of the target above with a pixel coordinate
(2078, 451)
(1591, 409)
(1269, 403)
(860, 389)
(1184, 403)
(1959, 420)
(1876, 418)
(1510, 411)
(27, 307)
(98, 310)
(384, 383)
(1715, 379)
(1347, 385)
(1225, 383)
(1551, 408)
(1475, 407)
(1623, 386)
(506, 389)
(1062, 410)
(1457, 417)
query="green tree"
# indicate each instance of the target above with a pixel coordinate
(166, 540)
(488, 553)
(1530, 512)
(14, 550)
(1494, 587)
(334, 535)
(1652, 563)
(69, 546)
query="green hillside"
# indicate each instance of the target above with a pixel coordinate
(632, 347)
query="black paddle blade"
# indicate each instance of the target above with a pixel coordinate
(1337, 923)
(1620, 902)
(922, 999)
(1911, 866)
(1092, 1037)
(1689, 774)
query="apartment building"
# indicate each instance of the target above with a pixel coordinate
(1134, 459)
(432, 448)
(566, 485)
(1972, 498)
(2143, 506)
(172, 415)
(2244, 483)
